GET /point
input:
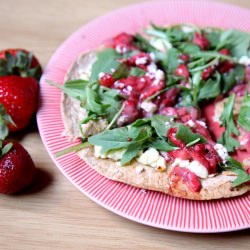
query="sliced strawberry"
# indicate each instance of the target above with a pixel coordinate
(182, 70)
(201, 41)
(107, 80)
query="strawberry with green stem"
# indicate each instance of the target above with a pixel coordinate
(19, 75)
(17, 169)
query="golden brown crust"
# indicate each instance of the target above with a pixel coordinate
(137, 174)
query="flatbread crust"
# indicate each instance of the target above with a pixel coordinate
(136, 174)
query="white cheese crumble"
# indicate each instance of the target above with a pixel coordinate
(159, 75)
(194, 166)
(113, 154)
(152, 157)
(190, 123)
(203, 124)
(160, 44)
(244, 60)
(141, 60)
(101, 74)
(222, 151)
(152, 67)
(149, 107)
(187, 29)
(121, 49)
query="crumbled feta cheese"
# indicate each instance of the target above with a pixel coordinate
(152, 157)
(167, 124)
(139, 169)
(244, 60)
(152, 56)
(203, 124)
(152, 67)
(113, 154)
(187, 29)
(198, 169)
(141, 60)
(160, 44)
(112, 70)
(101, 74)
(159, 74)
(181, 163)
(193, 166)
(190, 123)
(121, 49)
(222, 151)
(149, 107)
(119, 85)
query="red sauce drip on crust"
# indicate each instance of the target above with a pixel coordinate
(191, 180)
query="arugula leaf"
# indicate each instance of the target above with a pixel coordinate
(196, 81)
(186, 135)
(173, 59)
(73, 88)
(235, 75)
(131, 152)
(188, 48)
(236, 167)
(161, 145)
(122, 71)
(135, 71)
(236, 41)
(93, 103)
(213, 37)
(121, 137)
(227, 120)
(106, 62)
(210, 89)
(244, 115)
(159, 123)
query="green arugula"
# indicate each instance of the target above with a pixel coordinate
(160, 123)
(106, 62)
(227, 121)
(244, 115)
(236, 167)
(186, 135)
(236, 41)
(237, 74)
(131, 138)
(135, 71)
(161, 145)
(210, 89)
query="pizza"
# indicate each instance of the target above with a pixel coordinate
(167, 111)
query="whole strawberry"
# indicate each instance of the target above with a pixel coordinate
(17, 169)
(19, 96)
(19, 75)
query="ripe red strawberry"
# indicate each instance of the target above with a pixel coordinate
(17, 169)
(19, 62)
(182, 70)
(19, 73)
(19, 96)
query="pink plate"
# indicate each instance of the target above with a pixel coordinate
(147, 207)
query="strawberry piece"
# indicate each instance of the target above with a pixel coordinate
(107, 80)
(19, 96)
(207, 72)
(225, 52)
(171, 134)
(17, 169)
(19, 62)
(184, 57)
(130, 112)
(140, 60)
(123, 43)
(182, 70)
(201, 41)
(191, 180)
